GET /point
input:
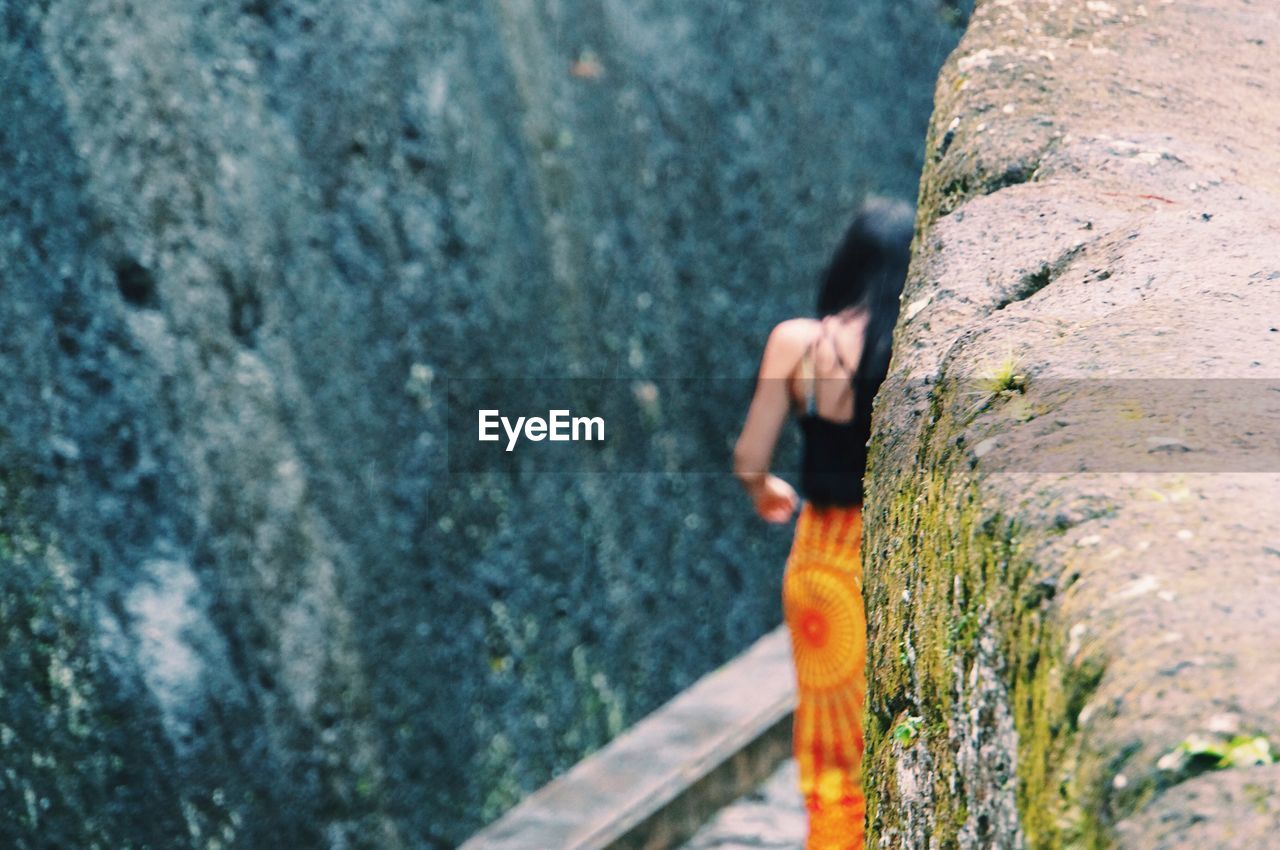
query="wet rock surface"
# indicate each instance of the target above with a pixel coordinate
(1063, 592)
(245, 248)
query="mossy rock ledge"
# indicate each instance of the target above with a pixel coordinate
(1072, 537)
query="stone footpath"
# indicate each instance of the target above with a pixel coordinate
(769, 818)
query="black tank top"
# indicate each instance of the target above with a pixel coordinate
(834, 454)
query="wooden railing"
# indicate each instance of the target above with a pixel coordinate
(654, 784)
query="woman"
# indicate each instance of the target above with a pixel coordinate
(826, 371)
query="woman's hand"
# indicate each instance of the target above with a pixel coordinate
(774, 499)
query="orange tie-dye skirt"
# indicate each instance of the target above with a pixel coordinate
(822, 603)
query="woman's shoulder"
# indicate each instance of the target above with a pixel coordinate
(787, 343)
(795, 334)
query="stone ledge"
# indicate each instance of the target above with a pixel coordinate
(1100, 201)
(654, 785)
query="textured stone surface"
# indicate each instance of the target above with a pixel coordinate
(1101, 200)
(244, 246)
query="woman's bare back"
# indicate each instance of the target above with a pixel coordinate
(826, 365)
(804, 359)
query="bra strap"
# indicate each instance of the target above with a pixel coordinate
(808, 378)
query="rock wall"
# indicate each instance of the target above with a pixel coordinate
(1072, 533)
(244, 247)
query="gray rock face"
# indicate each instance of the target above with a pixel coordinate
(245, 246)
(1071, 524)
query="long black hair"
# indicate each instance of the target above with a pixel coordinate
(868, 270)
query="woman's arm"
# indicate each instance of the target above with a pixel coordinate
(774, 499)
